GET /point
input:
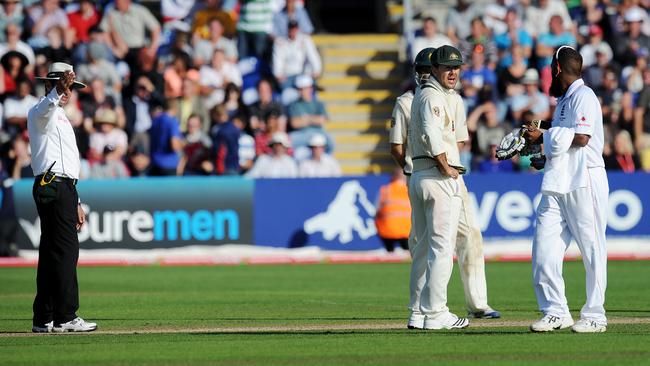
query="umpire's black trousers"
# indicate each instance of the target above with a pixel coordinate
(57, 292)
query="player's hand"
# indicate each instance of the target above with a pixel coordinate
(65, 82)
(532, 134)
(538, 162)
(450, 172)
(81, 217)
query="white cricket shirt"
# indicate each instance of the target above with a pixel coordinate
(434, 122)
(578, 111)
(52, 138)
(399, 124)
(402, 116)
(583, 112)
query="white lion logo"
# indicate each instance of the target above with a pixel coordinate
(343, 217)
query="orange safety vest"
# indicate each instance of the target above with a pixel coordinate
(393, 218)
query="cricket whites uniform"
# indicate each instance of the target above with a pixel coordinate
(436, 199)
(469, 242)
(573, 206)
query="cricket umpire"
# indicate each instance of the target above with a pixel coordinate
(55, 162)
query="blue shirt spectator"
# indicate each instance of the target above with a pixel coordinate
(514, 35)
(226, 148)
(295, 13)
(307, 117)
(165, 136)
(548, 42)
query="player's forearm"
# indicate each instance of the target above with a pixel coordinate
(397, 151)
(441, 162)
(580, 140)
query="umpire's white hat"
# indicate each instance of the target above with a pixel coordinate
(57, 69)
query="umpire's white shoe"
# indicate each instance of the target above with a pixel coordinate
(588, 326)
(445, 321)
(416, 321)
(75, 325)
(549, 323)
(45, 328)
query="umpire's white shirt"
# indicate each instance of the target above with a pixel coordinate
(52, 138)
(578, 111)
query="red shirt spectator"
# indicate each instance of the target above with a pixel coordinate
(83, 19)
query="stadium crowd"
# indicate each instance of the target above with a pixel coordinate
(174, 88)
(228, 87)
(508, 46)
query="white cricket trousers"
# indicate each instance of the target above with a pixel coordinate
(579, 215)
(469, 253)
(436, 209)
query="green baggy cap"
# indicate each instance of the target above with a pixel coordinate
(447, 56)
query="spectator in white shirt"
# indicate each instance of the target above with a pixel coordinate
(320, 164)
(107, 134)
(15, 44)
(48, 15)
(429, 38)
(294, 56)
(215, 76)
(277, 164)
(596, 44)
(17, 107)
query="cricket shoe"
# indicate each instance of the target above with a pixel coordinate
(45, 328)
(416, 321)
(588, 326)
(75, 325)
(549, 323)
(489, 313)
(445, 321)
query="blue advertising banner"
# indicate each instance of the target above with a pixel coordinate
(505, 203)
(335, 214)
(152, 212)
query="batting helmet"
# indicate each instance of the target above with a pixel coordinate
(423, 64)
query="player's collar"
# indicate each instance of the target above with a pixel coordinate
(432, 82)
(573, 87)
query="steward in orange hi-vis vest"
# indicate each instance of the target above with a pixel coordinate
(393, 218)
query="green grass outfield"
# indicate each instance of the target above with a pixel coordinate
(345, 314)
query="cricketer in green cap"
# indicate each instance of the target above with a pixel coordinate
(447, 56)
(446, 62)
